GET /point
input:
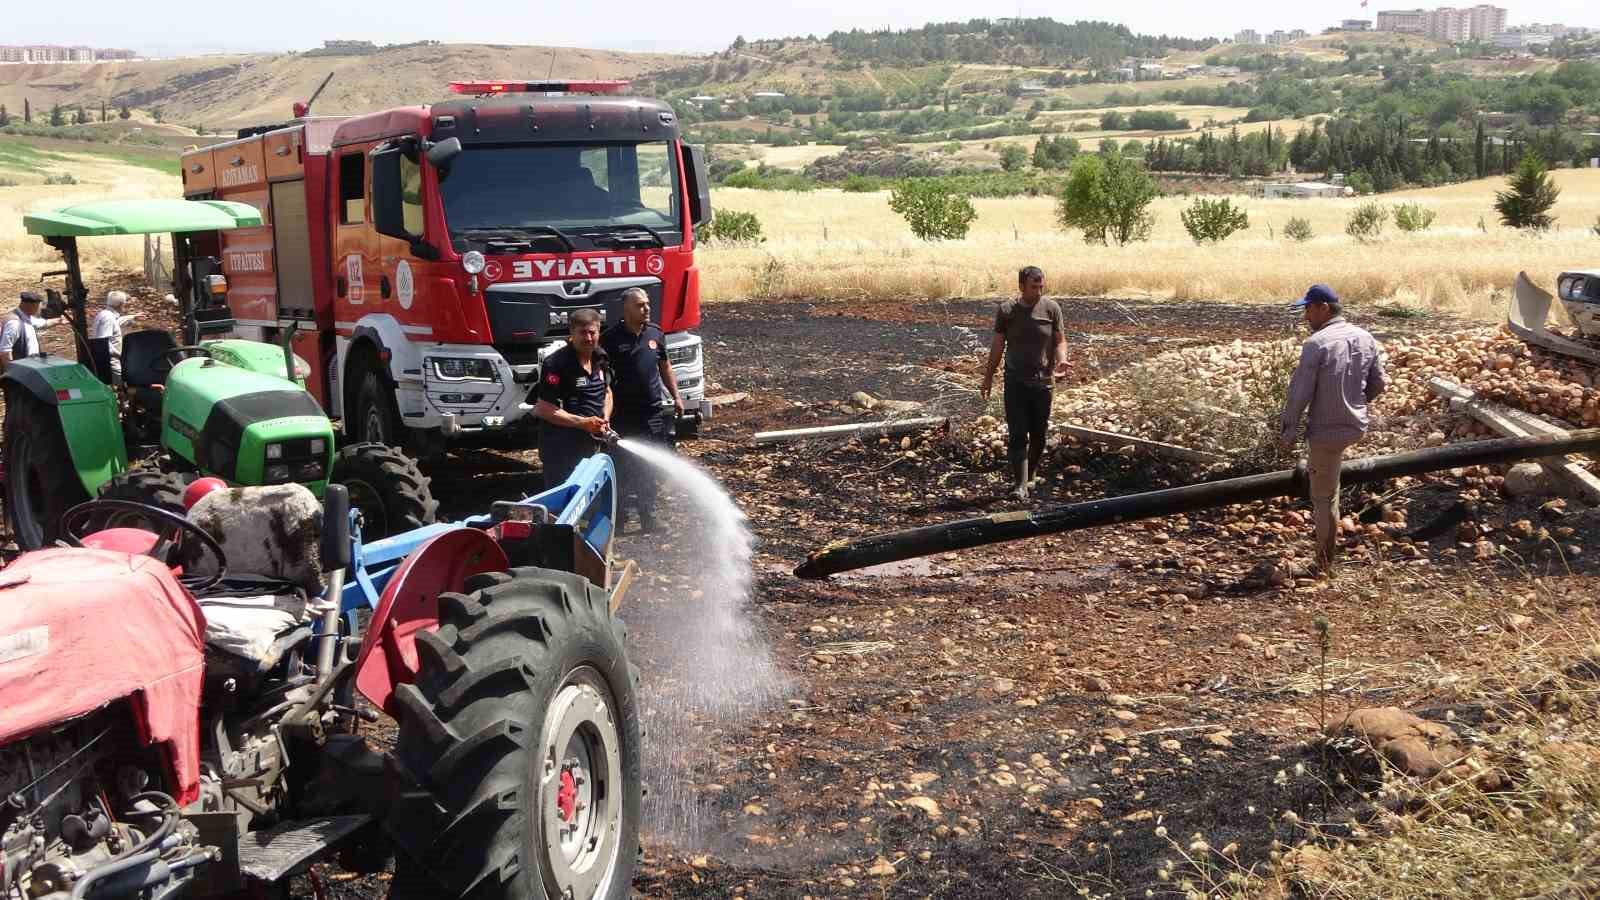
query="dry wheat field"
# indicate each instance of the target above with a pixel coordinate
(828, 243)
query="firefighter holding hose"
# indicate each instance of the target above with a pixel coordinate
(574, 399)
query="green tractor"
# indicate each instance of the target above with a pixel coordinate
(232, 409)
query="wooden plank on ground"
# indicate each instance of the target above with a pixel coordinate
(1127, 440)
(1518, 423)
(858, 429)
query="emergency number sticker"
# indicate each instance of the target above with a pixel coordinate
(352, 275)
(25, 643)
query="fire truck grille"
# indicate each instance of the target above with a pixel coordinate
(527, 316)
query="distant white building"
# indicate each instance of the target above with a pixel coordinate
(1247, 36)
(1355, 25)
(1303, 189)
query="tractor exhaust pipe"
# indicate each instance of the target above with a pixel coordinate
(844, 556)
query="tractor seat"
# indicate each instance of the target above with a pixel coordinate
(271, 537)
(141, 358)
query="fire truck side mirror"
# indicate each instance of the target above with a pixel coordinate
(699, 185)
(443, 152)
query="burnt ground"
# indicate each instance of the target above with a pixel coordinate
(1038, 718)
(1077, 707)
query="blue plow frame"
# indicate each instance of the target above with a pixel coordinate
(587, 501)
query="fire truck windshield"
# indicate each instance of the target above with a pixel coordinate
(582, 192)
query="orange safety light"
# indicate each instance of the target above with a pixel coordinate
(217, 284)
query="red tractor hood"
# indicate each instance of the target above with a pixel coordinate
(81, 629)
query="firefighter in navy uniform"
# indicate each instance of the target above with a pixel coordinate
(647, 398)
(574, 399)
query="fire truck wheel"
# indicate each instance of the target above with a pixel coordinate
(522, 732)
(375, 418)
(391, 492)
(40, 483)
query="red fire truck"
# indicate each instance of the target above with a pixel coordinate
(424, 260)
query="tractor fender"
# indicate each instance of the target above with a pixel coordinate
(87, 410)
(410, 603)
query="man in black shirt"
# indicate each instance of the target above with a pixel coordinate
(644, 387)
(1030, 333)
(574, 399)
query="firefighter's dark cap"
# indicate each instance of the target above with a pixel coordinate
(31, 297)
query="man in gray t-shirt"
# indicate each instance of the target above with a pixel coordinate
(1030, 333)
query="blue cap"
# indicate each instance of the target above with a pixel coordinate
(1319, 293)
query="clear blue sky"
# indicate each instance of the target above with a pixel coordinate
(166, 27)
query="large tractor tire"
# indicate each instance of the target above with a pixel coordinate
(522, 731)
(41, 483)
(391, 492)
(374, 417)
(152, 487)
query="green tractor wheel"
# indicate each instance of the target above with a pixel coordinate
(387, 487)
(41, 483)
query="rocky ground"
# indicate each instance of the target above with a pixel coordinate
(1093, 713)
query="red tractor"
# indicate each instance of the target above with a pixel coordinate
(178, 713)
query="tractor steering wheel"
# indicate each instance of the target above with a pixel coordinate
(168, 538)
(170, 358)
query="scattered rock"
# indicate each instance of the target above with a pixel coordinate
(1004, 685)
(863, 400)
(927, 805)
(1121, 700)
(1528, 479)
(882, 868)
(1124, 715)
(1517, 621)
(1219, 739)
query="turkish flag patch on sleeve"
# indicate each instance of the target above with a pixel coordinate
(554, 378)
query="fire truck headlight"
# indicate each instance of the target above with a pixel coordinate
(447, 368)
(473, 262)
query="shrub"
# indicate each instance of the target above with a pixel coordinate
(729, 226)
(1298, 229)
(861, 184)
(932, 209)
(1112, 120)
(1360, 182)
(1413, 217)
(1367, 222)
(1527, 203)
(1213, 220)
(1108, 197)
(1013, 157)
(6, 182)
(63, 178)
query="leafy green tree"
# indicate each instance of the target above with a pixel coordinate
(1054, 152)
(729, 226)
(1413, 217)
(124, 113)
(1012, 157)
(1108, 198)
(1531, 194)
(1112, 120)
(1367, 221)
(933, 210)
(1213, 220)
